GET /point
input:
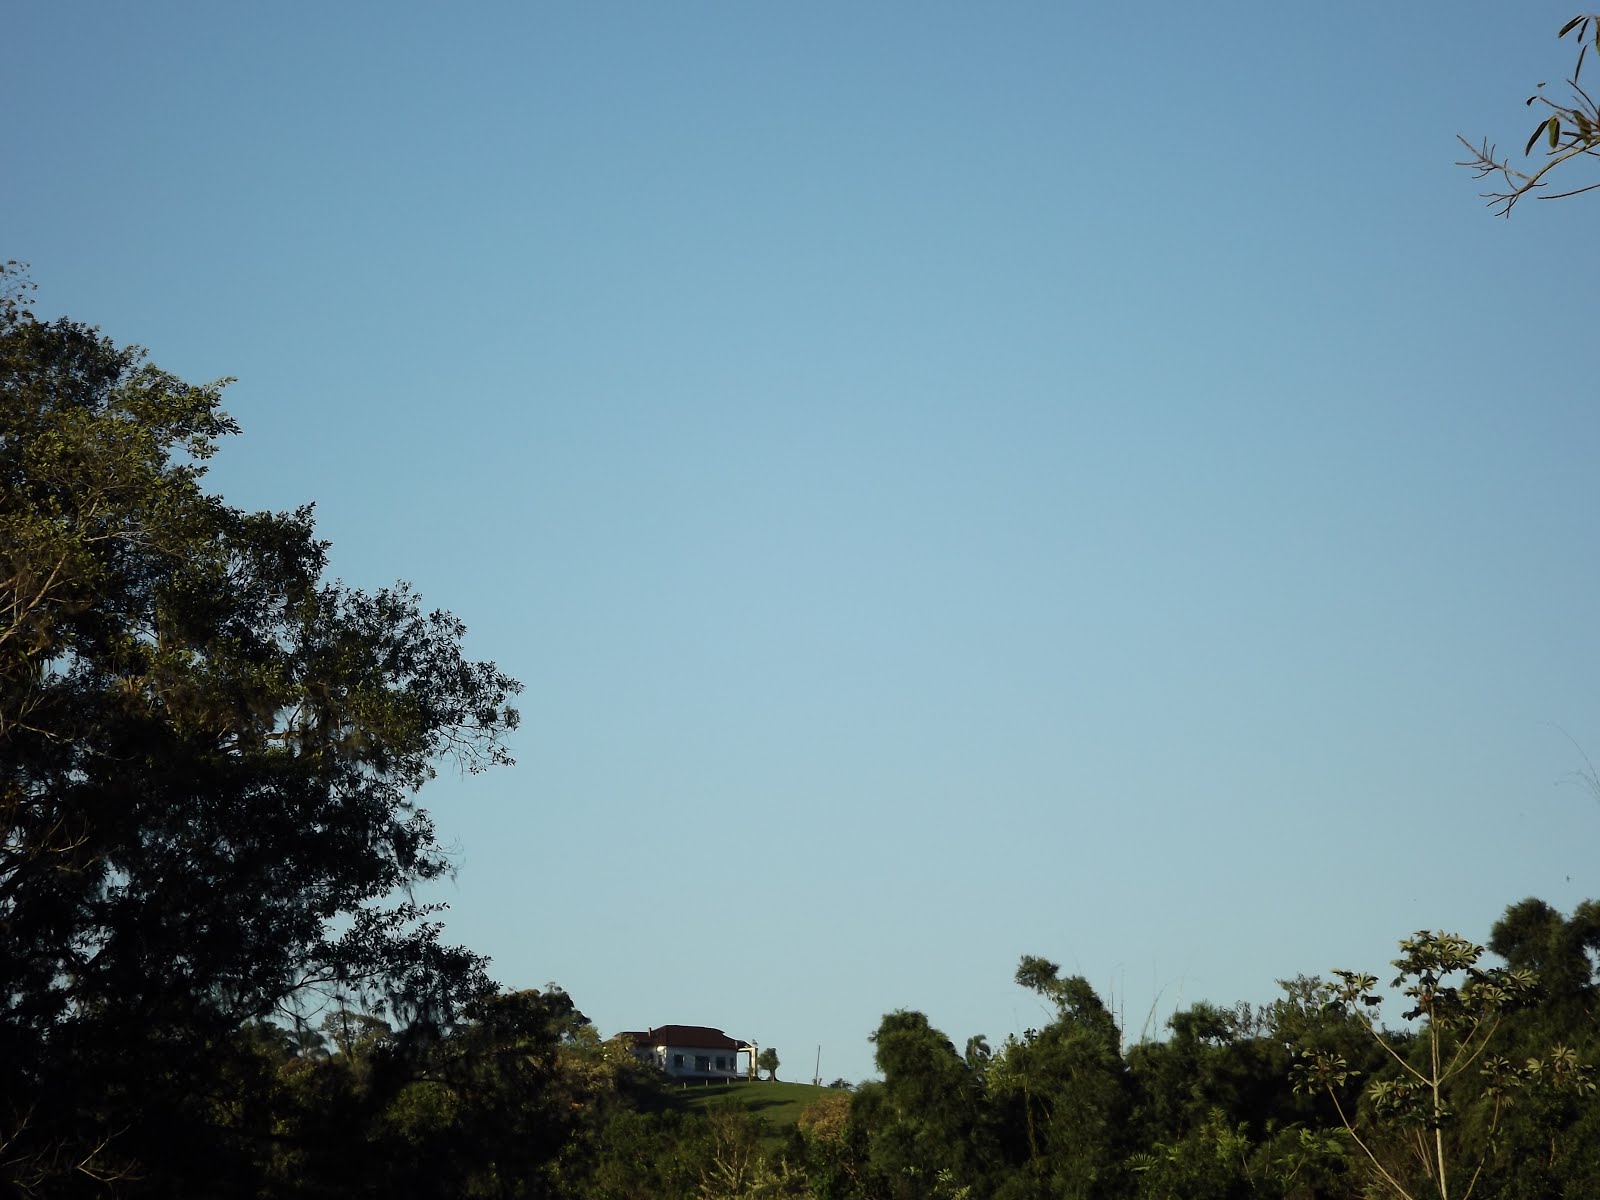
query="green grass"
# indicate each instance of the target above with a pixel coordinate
(779, 1104)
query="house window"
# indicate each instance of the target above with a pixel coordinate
(722, 1063)
(702, 1062)
(677, 1060)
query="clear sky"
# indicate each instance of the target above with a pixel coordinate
(958, 481)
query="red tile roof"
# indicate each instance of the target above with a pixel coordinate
(695, 1037)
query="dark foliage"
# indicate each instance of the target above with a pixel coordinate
(209, 757)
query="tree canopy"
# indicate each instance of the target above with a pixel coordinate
(209, 753)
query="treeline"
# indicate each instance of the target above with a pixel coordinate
(1488, 1091)
(214, 981)
(1306, 1098)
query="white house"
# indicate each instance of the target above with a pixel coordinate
(694, 1052)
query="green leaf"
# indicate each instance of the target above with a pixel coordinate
(1555, 132)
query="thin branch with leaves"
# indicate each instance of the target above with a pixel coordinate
(1569, 130)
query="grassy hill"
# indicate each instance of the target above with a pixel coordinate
(779, 1104)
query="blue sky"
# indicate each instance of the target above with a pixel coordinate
(1084, 480)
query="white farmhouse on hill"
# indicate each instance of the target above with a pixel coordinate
(694, 1052)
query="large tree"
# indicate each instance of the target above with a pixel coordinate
(209, 760)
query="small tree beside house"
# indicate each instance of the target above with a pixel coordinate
(768, 1061)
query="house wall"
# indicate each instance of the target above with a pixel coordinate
(666, 1059)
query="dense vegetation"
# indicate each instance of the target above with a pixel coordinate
(213, 982)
